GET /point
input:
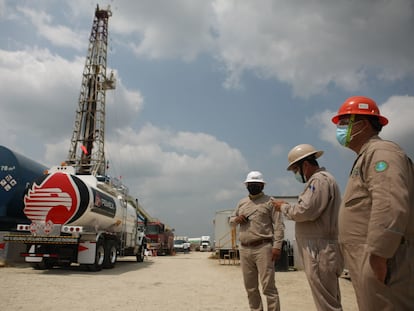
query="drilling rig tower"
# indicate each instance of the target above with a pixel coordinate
(86, 152)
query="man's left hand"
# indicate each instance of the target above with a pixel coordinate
(277, 204)
(379, 266)
(275, 254)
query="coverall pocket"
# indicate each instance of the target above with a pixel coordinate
(355, 198)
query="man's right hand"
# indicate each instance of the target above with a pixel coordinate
(241, 219)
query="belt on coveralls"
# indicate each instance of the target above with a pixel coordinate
(256, 243)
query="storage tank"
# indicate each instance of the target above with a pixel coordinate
(16, 172)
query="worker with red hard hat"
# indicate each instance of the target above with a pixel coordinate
(376, 217)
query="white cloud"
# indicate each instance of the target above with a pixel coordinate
(40, 96)
(56, 153)
(399, 111)
(308, 45)
(2, 8)
(172, 161)
(165, 29)
(311, 45)
(322, 122)
(38, 91)
(58, 35)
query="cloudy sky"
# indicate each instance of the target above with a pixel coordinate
(207, 90)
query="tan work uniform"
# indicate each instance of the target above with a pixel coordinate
(263, 231)
(377, 217)
(316, 217)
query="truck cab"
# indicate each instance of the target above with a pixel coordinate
(205, 245)
(160, 239)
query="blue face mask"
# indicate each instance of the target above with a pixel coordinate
(299, 178)
(343, 132)
(342, 135)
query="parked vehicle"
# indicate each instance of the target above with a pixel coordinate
(205, 244)
(226, 236)
(160, 238)
(78, 219)
(195, 243)
(181, 246)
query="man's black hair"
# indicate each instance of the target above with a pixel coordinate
(311, 159)
(375, 123)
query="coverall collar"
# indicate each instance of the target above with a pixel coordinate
(254, 197)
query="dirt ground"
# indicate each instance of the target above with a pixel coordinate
(191, 281)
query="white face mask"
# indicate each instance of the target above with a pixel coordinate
(299, 178)
(342, 135)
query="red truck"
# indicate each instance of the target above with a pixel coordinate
(160, 238)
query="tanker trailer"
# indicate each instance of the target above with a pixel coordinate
(16, 172)
(79, 219)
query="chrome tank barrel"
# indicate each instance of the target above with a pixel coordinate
(16, 172)
(62, 198)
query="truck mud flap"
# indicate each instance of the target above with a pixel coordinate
(86, 252)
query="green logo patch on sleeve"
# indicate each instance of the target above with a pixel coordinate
(381, 166)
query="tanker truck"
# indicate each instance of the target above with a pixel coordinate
(79, 219)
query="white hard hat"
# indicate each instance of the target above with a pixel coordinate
(254, 176)
(301, 152)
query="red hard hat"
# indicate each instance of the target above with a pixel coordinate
(360, 105)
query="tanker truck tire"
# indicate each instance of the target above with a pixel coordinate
(45, 264)
(110, 254)
(99, 257)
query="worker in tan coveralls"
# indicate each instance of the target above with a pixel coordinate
(316, 217)
(376, 218)
(261, 236)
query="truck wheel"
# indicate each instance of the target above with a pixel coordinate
(99, 257)
(45, 264)
(140, 254)
(110, 254)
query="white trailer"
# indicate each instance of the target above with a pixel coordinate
(225, 235)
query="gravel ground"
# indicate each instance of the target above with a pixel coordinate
(191, 281)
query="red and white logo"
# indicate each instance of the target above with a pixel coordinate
(55, 200)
